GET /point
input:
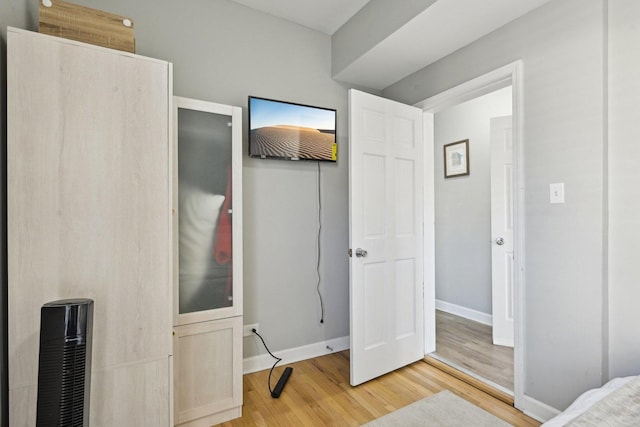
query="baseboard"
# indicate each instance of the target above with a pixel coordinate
(467, 313)
(537, 410)
(291, 355)
(531, 407)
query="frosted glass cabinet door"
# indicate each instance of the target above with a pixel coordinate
(208, 217)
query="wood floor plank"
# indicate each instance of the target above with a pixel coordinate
(319, 394)
(468, 344)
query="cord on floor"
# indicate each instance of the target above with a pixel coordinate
(278, 359)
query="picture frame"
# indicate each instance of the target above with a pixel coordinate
(456, 159)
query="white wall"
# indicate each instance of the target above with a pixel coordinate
(562, 46)
(463, 204)
(624, 187)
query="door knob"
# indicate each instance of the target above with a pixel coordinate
(361, 253)
(500, 241)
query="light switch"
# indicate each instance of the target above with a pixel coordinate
(556, 192)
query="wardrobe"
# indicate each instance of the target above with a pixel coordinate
(207, 166)
(93, 207)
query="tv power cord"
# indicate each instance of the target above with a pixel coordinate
(275, 393)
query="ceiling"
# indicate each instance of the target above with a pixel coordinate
(325, 16)
(452, 24)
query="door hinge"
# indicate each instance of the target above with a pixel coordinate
(350, 253)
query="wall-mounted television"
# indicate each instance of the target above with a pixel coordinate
(285, 130)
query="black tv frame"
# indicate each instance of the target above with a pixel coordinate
(254, 153)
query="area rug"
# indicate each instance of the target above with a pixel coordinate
(444, 409)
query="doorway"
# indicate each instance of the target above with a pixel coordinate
(371, 118)
(460, 220)
(467, 207)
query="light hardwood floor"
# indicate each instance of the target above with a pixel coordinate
(468, 344)
(319, 394)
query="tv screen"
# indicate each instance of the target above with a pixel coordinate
(285, 130)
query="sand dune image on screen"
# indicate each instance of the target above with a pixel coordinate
(292, 141)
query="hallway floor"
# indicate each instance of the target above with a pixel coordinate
(468, 345)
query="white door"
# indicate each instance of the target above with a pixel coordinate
(503, 274)
(385, 235)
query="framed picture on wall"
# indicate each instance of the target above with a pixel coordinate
(456, 159)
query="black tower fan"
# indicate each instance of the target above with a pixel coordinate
(64, 370)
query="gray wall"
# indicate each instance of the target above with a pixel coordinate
(223, 52)
(463, 204)
(562, 46)
(624, 187)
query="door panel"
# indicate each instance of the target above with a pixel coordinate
(406, 320)
(374, 171)
(405, 189)
(386, 216)
(503, 273)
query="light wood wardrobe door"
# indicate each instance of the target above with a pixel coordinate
(208, 369)
(89, 216)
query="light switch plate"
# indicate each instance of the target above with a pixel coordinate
(556, 192)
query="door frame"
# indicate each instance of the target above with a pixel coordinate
(510, 74)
